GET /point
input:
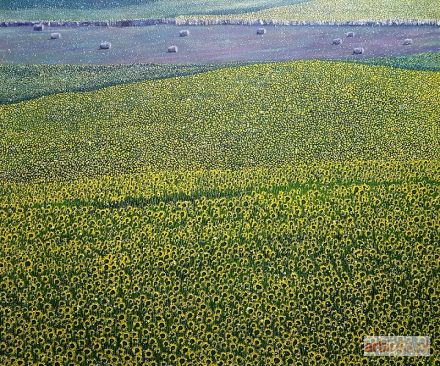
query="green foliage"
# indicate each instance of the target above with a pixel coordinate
(72, 4)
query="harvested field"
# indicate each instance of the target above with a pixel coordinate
(209, 44)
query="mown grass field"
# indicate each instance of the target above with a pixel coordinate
(257, 215)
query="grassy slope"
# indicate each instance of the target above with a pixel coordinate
(252, 115)
(262, 264)
(52, 79)
(84, 10)
(21, 82)
(424, 61)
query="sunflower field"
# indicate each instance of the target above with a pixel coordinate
(246, 116)
(54, 79)
(268, 214)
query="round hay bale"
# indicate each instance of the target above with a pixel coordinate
(184, 33)
(38, 27)
(337, 41)
(350, 34)
(408, 42)
(105, 45)
(173, 49)
(55, 35)
(358, 51)
(261, 31)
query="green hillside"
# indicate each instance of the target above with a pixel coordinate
(21, 82)
(429, 61)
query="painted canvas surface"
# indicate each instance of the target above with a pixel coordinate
(219, 182)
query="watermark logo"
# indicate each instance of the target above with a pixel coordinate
(397, 346)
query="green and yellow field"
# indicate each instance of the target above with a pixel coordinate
(311, 10)
(257, 215)
(345, 10)
(22, 82)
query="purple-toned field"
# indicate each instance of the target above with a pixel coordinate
(209, 44)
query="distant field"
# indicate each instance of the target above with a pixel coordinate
(312, 10)
(126, 9)
(230, 118)
(52, 79)
(343, 10)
